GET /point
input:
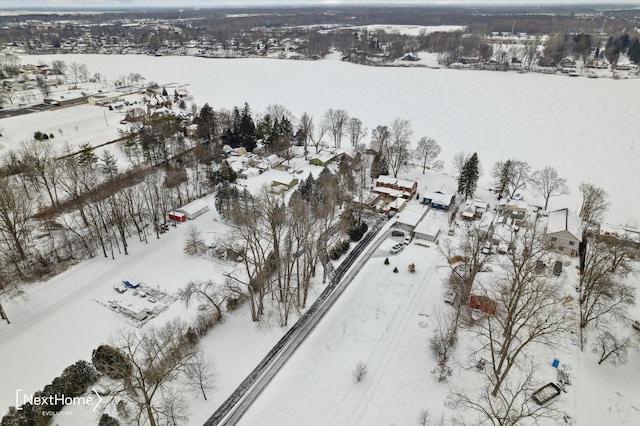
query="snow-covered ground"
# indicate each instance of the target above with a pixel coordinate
(385, 320)
(586, 128)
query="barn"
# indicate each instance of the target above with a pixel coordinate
(194, 209)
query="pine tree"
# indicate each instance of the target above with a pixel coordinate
(247, 129)
(468, 180)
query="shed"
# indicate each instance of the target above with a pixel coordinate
(564, 231)
(194, 209)
(483, 303)
(426, 230)
(177, 217)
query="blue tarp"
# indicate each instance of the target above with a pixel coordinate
(130, 284)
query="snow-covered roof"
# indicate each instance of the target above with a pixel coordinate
(283, 178)
(565, 220)
(412, 214)
(194, 207)
(390, 192)
(516, 205)
(390, 180)
(439, 197)
(427, 227)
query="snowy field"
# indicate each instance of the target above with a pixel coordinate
(586, 128)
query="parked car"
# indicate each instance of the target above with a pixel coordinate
(396, 249)
(407, 240)
(557, 268)
(450, 296)
(120, 288)
(451, 232)
(396, 233)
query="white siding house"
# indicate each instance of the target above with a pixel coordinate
(194, 209)
(564, 231)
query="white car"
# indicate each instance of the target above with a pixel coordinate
(407, 240)
(396, 249)
(120, 288)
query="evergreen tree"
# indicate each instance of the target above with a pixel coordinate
(379, 166)
(505, 178)
(468, 180)
(109, 164)
(86, 157)
(247, 129)
(206, 122)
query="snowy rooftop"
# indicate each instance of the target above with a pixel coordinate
(564, 220)
(389, 180)
(411, 214)
(194, 207)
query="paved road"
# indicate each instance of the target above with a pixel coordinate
(7, 113)
(239, 401)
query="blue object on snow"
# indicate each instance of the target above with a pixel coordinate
(130, 284)
(555, 363)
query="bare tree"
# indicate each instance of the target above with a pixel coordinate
(316, 137)
(604, 295)
(194, 243)
(444, 337)
(43, 86)
(305, 130)
(510, 406)
(355, 130)
(427, 151)
(549, 184)
(594, 203)
(530, 309)
(201, 373)
(397, 150)
(458, 162)
(613, 348)
(160, 357)
(380, 137)
(511, 176)
(335, 121)
(205, 291)
(16, 208)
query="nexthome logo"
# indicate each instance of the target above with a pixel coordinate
(49, 400)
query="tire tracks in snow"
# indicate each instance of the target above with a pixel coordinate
(377, 372)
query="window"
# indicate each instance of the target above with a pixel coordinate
(561, 248)
(554, 239)
(572, 243)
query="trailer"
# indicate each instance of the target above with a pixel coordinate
(546, 393)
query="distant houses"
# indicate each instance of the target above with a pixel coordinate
(564, 231)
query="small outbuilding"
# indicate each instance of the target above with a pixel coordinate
(177, 217)
(426, 230)
(194, 209)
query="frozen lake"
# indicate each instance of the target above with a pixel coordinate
(588, 129)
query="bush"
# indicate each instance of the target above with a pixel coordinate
(111, 361)
(360, 372)
(357, 231)
(107, 420)
(386, 260)
(37, 135)
(395, 269)
(339, 249)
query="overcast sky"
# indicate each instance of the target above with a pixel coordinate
(18, 4)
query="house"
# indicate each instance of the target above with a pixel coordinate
(564, 231)
(396, 188)
(322, 159)
(515, 209)
(282, 182)
(442, 199)
(194, 209)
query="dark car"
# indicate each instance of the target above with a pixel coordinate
(557, 268)
(396, 233)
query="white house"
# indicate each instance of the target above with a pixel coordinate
(194, 209)
(564, 231)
